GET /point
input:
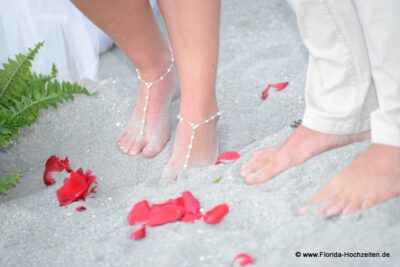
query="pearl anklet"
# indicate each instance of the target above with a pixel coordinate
(148, 86)
(194, 128)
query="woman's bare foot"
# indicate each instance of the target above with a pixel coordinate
(156, 130)
(301, 146)
(374, 177)
(204, 147)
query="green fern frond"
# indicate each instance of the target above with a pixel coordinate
(23, 94)
(9, 127)
(45, 94)
(6, 183)
(16, 74)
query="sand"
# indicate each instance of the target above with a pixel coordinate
(259, 44)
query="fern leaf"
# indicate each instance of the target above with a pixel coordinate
(9, 127)
(6, 183)
(55, 93)
(23, 94)
(16, 73)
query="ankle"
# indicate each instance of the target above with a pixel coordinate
(154, 70)
(197, 113)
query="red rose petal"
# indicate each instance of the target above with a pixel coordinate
(175, 201)
(190, 203)
(277, 86)
(215, 215)
(265, 93)
(81, 208)
(164, 213)
(75, 187)
(139, 213)
(280, 86)
(192, 217)
(54, 164)
(245, 259)
(139, 234)
(228, 155)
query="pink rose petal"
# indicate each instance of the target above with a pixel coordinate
(228, 155)
(280, 86)
(164, 213)
(244, 259)
(139, 213)
(216, 214)
(80, 208)
(139, 234)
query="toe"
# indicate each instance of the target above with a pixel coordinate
(128, 143)
(121, 137)
(369, 203)
(326, 193)
(333, 207)
(151, 150)
(262, 175)
(251, 167)
(258, 160)
(170, 173)
(353, 206)
(138, 146)
(122, 140)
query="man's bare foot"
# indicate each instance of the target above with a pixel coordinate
(372, 178)
(156, 131)
(204, 147)
(301, 146)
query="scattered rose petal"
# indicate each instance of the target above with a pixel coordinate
(191, 217)
(139, 234)
(185, 209)
(190, 204)
(54, 164)
(81, 208)
(217, 180)
(215, 215)
(164, 213)
(244, 259)
(139, 212)
(228, 155)
(76, 187)
(277, 86)
(265, 93)
(280, 86)
(176, 201)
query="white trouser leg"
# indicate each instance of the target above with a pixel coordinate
(340, 94)
(380, 21)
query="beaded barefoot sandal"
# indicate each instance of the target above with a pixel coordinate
(148, 86)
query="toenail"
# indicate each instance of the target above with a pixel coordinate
(366, 205)
(256, 176)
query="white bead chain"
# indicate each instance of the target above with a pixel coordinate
(194, 128)
(150, 85)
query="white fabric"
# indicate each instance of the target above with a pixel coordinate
(380, 21)
(72, 42)
(353, 49)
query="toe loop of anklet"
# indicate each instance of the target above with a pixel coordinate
(149, 85)
(194, 127)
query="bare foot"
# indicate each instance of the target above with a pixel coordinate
(301, 146)
(156, 130)
(204, 148)
(372, 178)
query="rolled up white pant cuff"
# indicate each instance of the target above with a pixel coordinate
(341, 127)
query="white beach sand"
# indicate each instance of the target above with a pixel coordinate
(259, 44)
